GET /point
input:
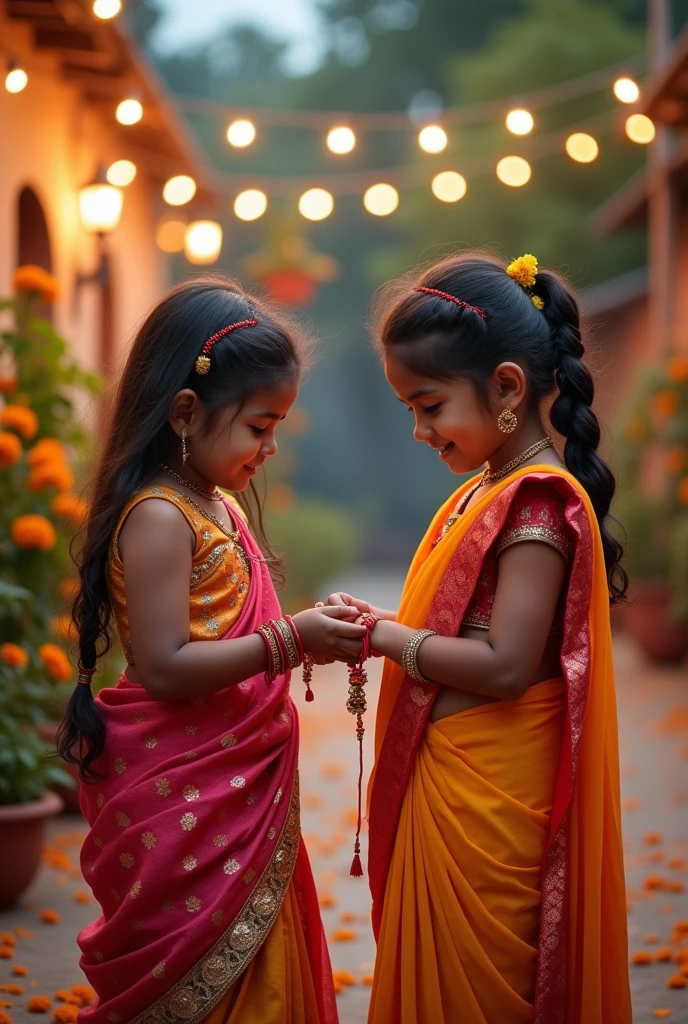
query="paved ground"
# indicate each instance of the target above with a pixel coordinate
(654, 752)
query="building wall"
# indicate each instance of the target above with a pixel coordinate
(53, 141)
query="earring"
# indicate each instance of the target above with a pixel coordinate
(185, 453)
(507, 421)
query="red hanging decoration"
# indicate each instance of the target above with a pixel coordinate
(357, 705)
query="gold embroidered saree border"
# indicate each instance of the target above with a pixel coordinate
(195, 995)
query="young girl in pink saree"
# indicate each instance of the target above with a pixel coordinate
(189, 764)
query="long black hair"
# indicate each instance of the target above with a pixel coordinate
(161, 363)
(441, 340)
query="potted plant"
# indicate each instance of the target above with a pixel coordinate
(652, 505)
(41, 442)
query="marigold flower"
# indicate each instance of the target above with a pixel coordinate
(33, 531)
(16, 657)
(7, 939)
(12, 990)
(653, 882)
(39, 1004)
(50, 916)
(55, 474)
(30, 278)
(71, 507)
(664, 404)
(20, 418)
(677, 369)
(47, 449)
(84, 992)
(8, 385)
(343, 935)
(5, 1018)
(641, 958)
(675, 886)
(66, 1014)
(677, 863)
(524, 270)
(676, 981)
(6, 952)
(343, 978)
(57, 664)
(682, 491)
(663, 955)
(537, 301)
(10, 449)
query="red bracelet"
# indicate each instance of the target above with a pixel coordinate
(297, 638)
(282, 644)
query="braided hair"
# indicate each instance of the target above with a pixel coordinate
(539, 328)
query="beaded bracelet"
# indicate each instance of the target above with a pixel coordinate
(409, 658)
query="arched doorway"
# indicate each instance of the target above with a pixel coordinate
(33, 240)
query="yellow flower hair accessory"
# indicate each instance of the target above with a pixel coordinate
(524, 270)
(537, 301)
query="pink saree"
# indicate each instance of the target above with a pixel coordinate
(194, 841)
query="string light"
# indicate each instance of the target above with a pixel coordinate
(626, 90)
(520, 122)
(341, 140)
(16, 79)
(381, 199)
(449, 186)
(241, 133)
(582, 148)
(203, 242)
(129, 111)
(514, 171)
(121, 173)
(170, 234)
(106, 9)
(179, 190)
(250, 204)
(316, 204)
(640, 129)
(432, 138)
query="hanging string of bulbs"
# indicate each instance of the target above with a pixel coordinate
(379, 197)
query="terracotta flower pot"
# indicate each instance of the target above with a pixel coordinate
(649, 621)
(22, 828)
(70, 797)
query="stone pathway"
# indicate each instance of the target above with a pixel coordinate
(653, 712)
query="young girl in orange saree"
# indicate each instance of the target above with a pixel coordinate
(495, 854)
(209, 911)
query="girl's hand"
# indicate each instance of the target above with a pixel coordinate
(326, 632)
(359, 606)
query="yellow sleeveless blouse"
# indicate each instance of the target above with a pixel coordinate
(220, 571)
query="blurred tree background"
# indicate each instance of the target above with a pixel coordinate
(406, 55)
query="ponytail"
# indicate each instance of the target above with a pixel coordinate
(571, 416)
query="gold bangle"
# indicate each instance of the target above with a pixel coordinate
(288, 636)
(275, 654)
(409, 657)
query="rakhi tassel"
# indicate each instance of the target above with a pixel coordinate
(307, 676)
(356, 866)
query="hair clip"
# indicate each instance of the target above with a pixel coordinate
(452, 298)
(203, 360)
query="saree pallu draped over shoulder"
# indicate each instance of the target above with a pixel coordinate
(194, 850)
(468, 927)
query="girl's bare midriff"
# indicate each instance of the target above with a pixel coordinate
(451, 700)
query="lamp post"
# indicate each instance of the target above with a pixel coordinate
(100, 209)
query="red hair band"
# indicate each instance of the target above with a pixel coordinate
(203, 361)
(452, 298)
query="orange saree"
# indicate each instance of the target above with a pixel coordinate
(495, 845)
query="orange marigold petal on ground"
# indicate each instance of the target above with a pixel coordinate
(651, 938)
(367, 979)
(344, 935)
(326, 901)
(85, 992)
(347, 917)
(23, 933)
(5, 1018)
(664, 954)
(6, 952)
(12, 990)
(642, 957)
(675, 886)
(66, 1014)
(49, 916)
(662, 1014)
(676, 981)
(652, 838)
(39, 1004)
(652, 882)
(81, 896)
(677, 863)
(7, 939)
(344, 977)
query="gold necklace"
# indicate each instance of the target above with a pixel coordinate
(215, 495)
(535, 449)
(489, 478)
(233, 535)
